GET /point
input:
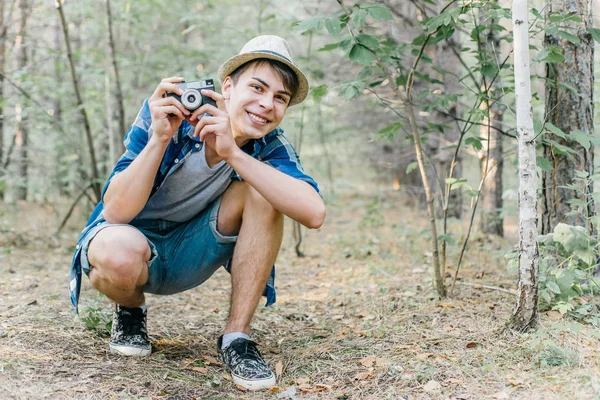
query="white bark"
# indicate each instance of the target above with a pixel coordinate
(525, 312)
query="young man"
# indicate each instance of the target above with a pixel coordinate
(198, 190)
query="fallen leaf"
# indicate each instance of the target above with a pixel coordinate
(424, 356)
(305, 387)
(382, 362)
(279, 368)
(202, 370)
(432, 386)
(241, 388)
(472, 345)
(368, 361)
(501, 395)
(302, 381)
(322, 387)
(226, 376)
(275, 389)
(445, 305)
(211, 360)
(361, 376)
(554, 315)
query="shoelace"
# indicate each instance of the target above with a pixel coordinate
(133, 322)
(244, 350)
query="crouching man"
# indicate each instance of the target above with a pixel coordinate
(199, 189)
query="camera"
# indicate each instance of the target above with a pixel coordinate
(191, 98)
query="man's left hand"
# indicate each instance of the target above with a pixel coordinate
(214, 130)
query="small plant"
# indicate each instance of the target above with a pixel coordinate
(373, 218)
(98, 319)
(568, 259)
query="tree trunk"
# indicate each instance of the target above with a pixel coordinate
(446, 165)
(57, 109)
(570, 112)
(90, 141)
(3, 31)
(490, 157)
(115, 143)
(525, 313)
(21, 139)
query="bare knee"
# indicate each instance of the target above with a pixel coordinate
(119, 256)
(257, 205)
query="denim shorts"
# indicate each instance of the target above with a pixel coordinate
(184, 254)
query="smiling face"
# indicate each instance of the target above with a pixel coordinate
(256, 102)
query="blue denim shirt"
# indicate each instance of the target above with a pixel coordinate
(273, 149)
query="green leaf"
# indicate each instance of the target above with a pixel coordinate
(448, 238)
(428, 78)
(390, 131)
(582, 138)
(576, 241)
(333, 26)
(568, 36)
(314, 23)
(378, 12)
(554, 57)
(346, 44)
(489, 70)
(595, 32)
(318, 91)
(351, 89)
(411, 167)
(329, 47)
(568, 87)
(358, 17)
(543, 163)
(541, 56)
(475, 142)
(563, 307)
(554, 129)
(553, 287)
(349, 92)
(562, 149)
(369, 41)
(361, 55)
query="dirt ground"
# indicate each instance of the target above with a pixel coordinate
(356, 318)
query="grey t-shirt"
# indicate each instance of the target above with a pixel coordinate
(188, 189)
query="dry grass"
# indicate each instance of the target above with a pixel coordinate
(355, 319)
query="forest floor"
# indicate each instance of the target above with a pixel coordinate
(356, 318)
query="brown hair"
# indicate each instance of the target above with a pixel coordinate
(287, 75)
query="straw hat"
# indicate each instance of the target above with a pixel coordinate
(274, 48)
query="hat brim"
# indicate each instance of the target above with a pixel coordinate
(237, 61)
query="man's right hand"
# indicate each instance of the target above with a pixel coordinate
(167, 113)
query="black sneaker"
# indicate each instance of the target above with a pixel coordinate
(247, 367)
(129, 336)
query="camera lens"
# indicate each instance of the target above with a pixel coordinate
(191, 99)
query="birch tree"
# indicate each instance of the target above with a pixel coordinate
(525, 312)
(3, 31)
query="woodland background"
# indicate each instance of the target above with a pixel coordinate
(357, 314)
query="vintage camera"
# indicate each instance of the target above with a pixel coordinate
(191, 98)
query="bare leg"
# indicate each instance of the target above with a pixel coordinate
(260, 230)
(119, 257)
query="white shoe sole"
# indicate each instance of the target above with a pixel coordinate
(254, 385)
(129, 351)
